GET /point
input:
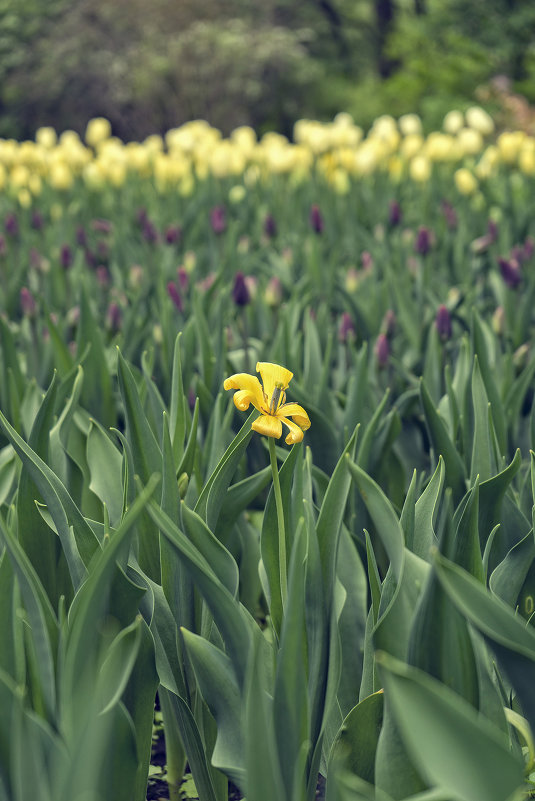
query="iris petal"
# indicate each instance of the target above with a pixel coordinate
(268, 425)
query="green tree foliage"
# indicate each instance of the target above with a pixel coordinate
(149, 66)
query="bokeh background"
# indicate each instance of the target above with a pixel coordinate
(150, 65)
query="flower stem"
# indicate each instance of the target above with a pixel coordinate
(280, 520)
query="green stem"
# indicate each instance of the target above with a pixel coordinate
(280, 520)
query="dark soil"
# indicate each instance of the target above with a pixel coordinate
(158, 789)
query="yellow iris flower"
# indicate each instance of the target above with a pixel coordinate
(269, 398)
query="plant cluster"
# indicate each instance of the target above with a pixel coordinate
(354, 602)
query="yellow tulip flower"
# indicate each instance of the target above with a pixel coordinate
(269, 398)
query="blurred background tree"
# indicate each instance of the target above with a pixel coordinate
(149, 65)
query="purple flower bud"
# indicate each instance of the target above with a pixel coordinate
(102, 226)
(422, 244)
(270, 226)
(65, 257)
(443, 322)
(183, 278)
(346, 329)
(218, 219)
(316, 219)
(240, 290)
(81, 236)
(36, 259)
(114, 317)
(510, 270)
(103, 276)
(366, 260)
(174, 294)
(27, 302)
(388, 325)
(450, 215)
(141, 215)
(492, 230)
(172, 234)
(90, 258)
(394, 213)
(12, 225)
(149, 232)
(37, 221)
(382, 350)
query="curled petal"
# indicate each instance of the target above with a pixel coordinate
(296, 433)
(297, 413)
(246, 383)
(273, 375)
(268, 425)
(242, 398)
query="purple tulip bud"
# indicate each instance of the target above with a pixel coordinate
(65, 257)
(394, 213)
(218, 219)
(443, 322)
(90, 258)
(510, 270)
(366, 260)
(114, 317)
(103, 276)
(12, 225)
(182, 278)
(37, 221)
(27, 302)
(173, 234)
(422, 244)
(388, 325)
(492, 230)
(81, 236)
(346, 329)
(450, 215)
(529, 248)
(149, 232)
(382, 350)
(141, 215)
(270, 226)
(102, 226)
(240, 290)
(316, 219)
(174, 294)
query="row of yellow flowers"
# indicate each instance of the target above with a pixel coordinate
(340, 150)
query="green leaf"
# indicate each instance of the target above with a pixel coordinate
(217, 682)
(105, 466)
(508, 635)
(356, 743)
(482, 463)
(443, 446)
(145, 450)
(442, 730)
(117, 666)
(43, 623)
(77, 538)
(425, 512)
(231, 619)
(331, 515)
(220, 560)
